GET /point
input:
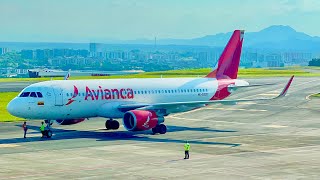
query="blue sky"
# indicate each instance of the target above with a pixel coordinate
(94, 20)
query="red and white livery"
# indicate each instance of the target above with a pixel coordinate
(141, 103)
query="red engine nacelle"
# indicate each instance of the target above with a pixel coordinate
(140, 120)
(69, 121)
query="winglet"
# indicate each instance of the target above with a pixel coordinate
(285, 89)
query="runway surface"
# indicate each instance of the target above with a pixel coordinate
(14, 86)
(274, 140)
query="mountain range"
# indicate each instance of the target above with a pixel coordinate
(276, 37)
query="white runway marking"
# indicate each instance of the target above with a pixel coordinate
(189, 111)
(308, 97)
(225, 109)
(238, 109)
(274, 126)
(189, 119)
(290, 89)
(8, 145)
(267, 94)
(247, 103)
(300, 85)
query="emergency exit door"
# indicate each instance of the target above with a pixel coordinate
(58, 94)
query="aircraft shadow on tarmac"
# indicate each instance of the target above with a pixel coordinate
(99, 135)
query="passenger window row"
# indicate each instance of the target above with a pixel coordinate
(31, 94)
(158, 91)
(80, 94)
(171, 91)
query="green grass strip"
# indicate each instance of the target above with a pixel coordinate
(5, 98)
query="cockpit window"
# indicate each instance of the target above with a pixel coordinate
(39, 94)
(24, 94)
(33, 94)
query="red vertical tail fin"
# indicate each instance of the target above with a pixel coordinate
(228, 63)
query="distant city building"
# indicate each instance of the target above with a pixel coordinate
(149, 59)
(3, 50)
(35, 73)
(27, 54)
(46, 54)
(58, 52)
(274, 60)
(296, 58)
(95, 49)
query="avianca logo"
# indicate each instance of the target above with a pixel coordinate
(75, 94)
(146, 124)
(102, 94)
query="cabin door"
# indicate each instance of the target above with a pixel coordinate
(58, 94)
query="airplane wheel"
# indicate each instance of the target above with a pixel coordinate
(114, 124)
(162, 129)
(155, 130)
(49, 134)
(108, 124)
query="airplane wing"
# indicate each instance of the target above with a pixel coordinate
(233, 88)
(193, 104)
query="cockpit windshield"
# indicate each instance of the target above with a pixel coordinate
(24, 94)
(31, 94)
(39, 94)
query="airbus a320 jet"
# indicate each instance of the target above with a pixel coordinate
(142, 104)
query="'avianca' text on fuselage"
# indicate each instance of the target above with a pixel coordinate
(106, 94)
(102, 94)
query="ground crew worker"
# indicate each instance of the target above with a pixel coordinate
(25, 128)
(186, 150)
(42, 127)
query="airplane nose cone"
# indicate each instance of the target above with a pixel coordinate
(11, 108)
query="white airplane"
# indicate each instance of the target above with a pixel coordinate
(141, 103)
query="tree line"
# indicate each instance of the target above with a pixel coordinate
(314, 62)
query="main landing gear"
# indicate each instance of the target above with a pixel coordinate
(48, 131)
(160, 128)
(112, 124)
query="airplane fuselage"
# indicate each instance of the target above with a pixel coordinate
(100, 98)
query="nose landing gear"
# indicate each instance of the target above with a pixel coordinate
(48, 132)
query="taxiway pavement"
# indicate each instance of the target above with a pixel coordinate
(269, 140)
(14, 86)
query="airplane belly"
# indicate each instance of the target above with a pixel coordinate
(110, 110)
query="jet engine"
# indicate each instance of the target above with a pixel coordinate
(69, 121)
(141, 120)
